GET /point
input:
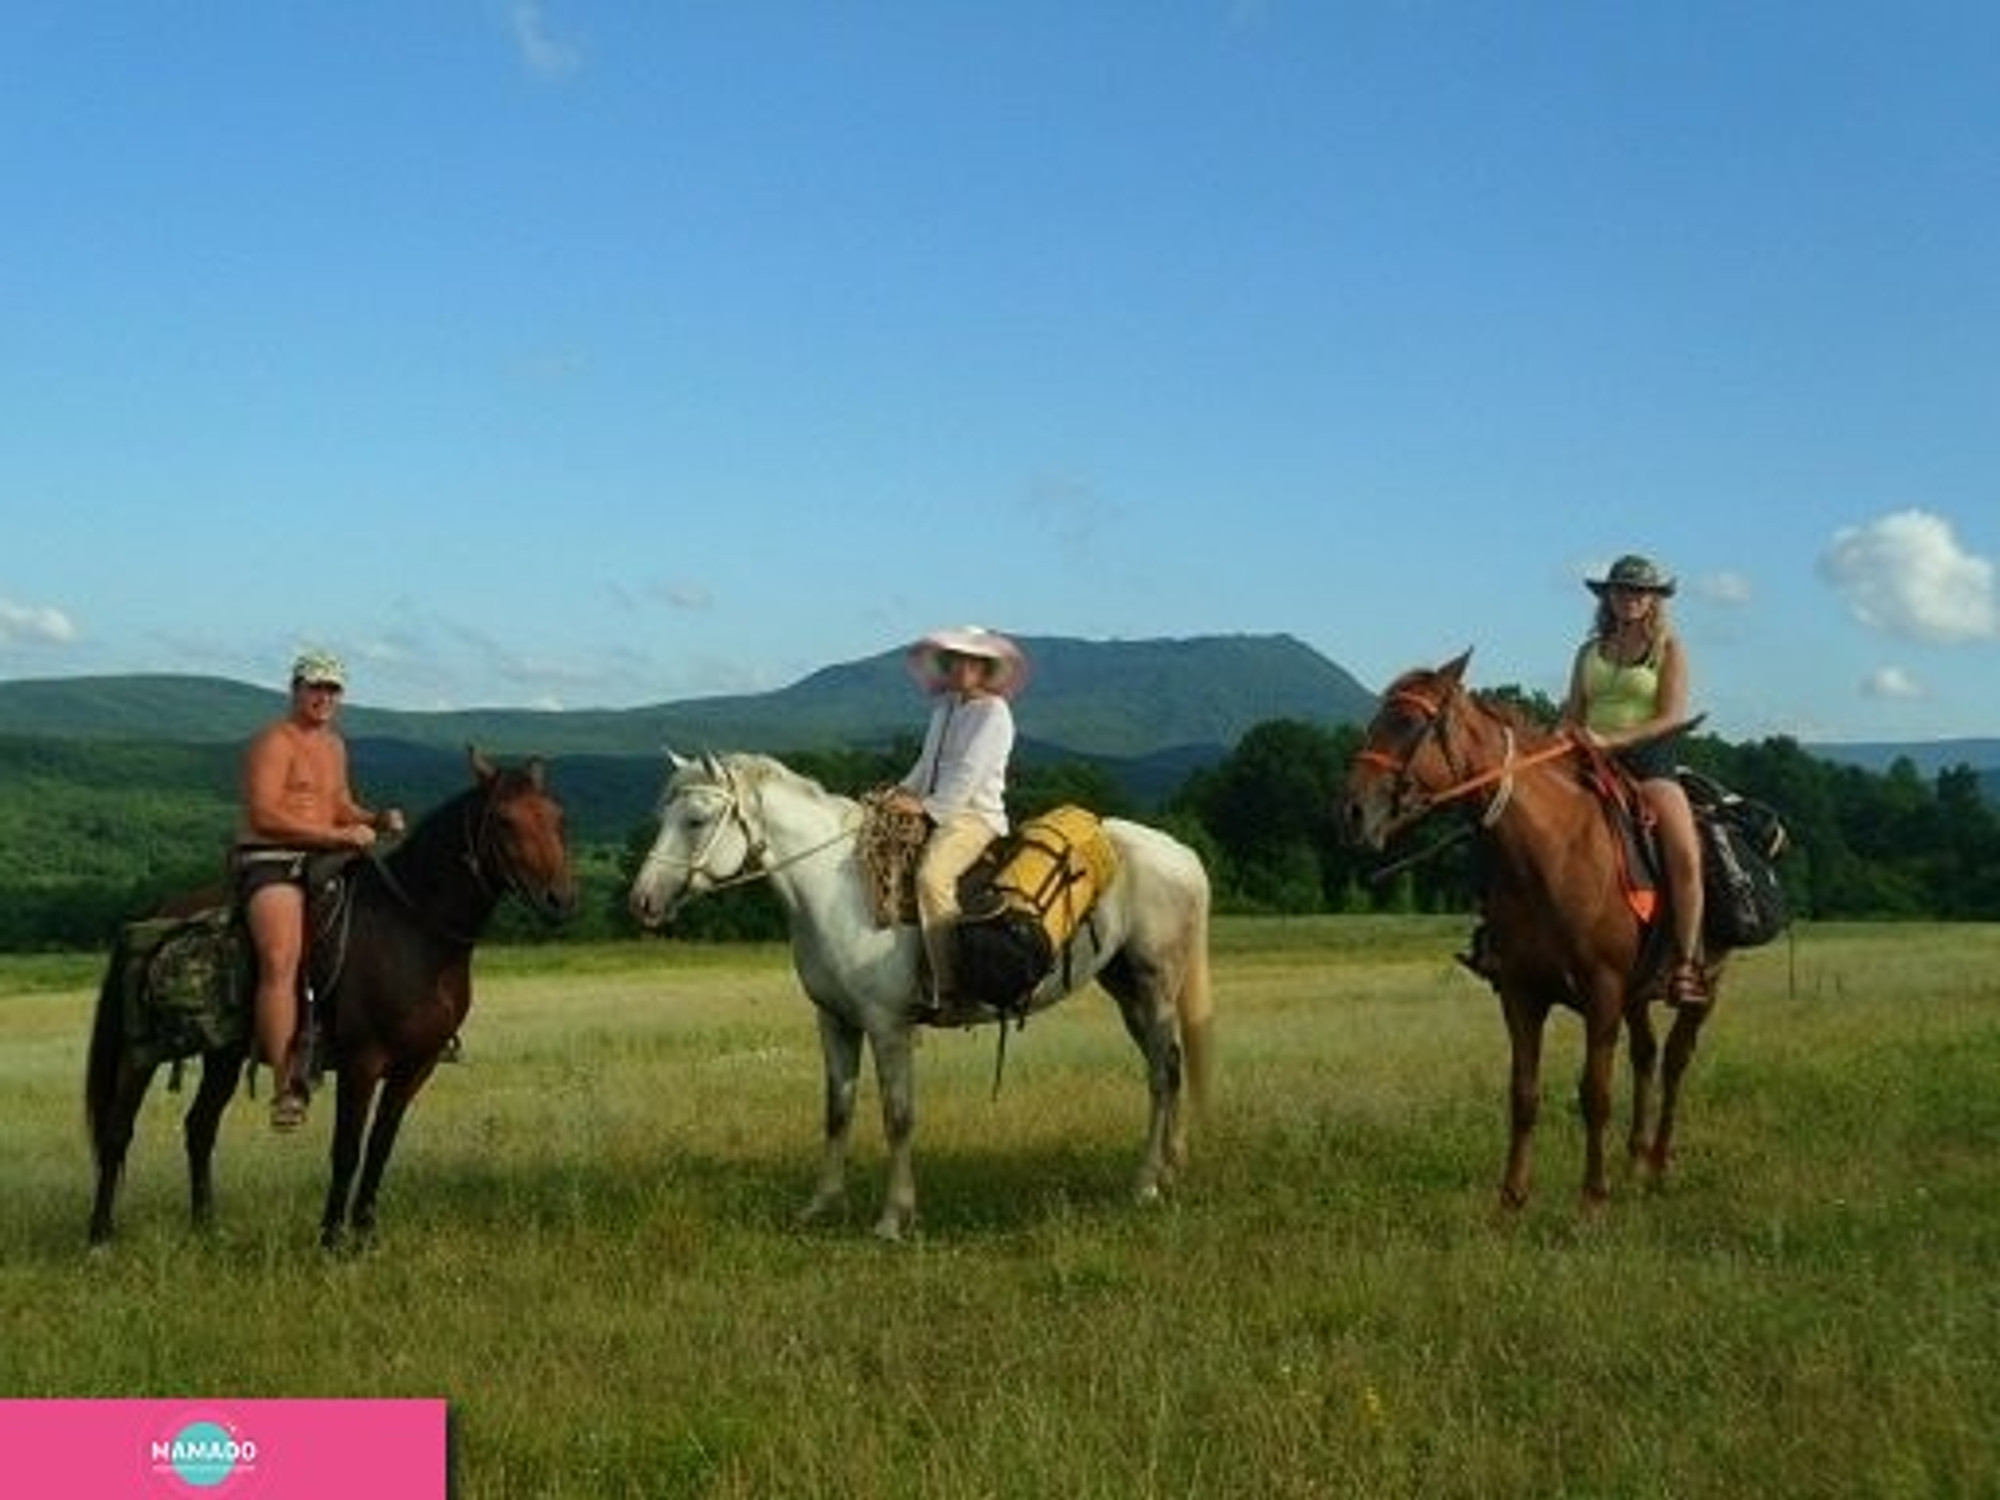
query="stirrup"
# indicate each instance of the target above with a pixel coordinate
(949, 1010)
(1478, 955)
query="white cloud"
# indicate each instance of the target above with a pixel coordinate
(34, 625)
(683, 595)
(1906, 574)
(540, 50)
(1892, 683)
(1724, 588)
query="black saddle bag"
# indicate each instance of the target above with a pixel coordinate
(1743, 897)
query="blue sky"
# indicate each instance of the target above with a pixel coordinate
(578, 353)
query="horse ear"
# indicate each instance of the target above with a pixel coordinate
(1454, 670)
(483, 770)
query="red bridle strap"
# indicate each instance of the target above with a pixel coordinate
(1432, 711)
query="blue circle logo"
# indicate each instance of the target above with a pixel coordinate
(203, 1455)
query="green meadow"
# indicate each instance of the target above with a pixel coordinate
(587, 1242)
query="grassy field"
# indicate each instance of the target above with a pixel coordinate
(587, 1243)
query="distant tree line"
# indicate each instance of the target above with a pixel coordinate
(1862, 845)
(86, 841)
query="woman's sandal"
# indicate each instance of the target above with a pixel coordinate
(1687, 986)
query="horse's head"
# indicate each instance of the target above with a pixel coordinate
(520, 843)
(706, 839)
(1406, 758)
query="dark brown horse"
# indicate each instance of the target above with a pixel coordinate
(400, 987)
(1560, 927)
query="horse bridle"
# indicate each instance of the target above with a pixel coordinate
(757, 862)
(1409, 799)
(476, 855)
(478, 851)
(754, 849)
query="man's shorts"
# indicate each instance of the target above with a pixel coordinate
(254, 866)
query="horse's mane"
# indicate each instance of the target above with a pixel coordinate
(757, 770)
(433, 821)
(1515, 716)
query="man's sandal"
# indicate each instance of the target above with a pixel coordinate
(288, 1111)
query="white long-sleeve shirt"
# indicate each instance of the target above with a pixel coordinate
(963, 765)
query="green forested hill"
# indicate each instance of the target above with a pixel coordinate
(93, 810)
(1095, 698)
(114, 791)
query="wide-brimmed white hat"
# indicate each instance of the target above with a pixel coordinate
(1007, 670)
(319, 668)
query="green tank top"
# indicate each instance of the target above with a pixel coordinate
(1617, 697)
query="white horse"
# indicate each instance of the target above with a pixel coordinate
(726, 820)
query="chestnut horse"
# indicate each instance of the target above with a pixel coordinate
(1559, 927)
(395, 993)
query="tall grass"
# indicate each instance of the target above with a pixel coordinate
(587, 1243)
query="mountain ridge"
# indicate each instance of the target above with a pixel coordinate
(1176, 701)
(1108, 699)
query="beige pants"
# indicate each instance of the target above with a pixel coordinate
(951, 850)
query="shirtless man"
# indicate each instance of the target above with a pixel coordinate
(296, 802)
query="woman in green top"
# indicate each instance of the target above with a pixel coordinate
(1628, 694)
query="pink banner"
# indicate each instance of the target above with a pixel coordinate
(300, 1450)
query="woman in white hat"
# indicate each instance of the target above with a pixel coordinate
(1628, 694)
(959, 781)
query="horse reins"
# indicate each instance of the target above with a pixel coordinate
(757, 862)
(1433, 713)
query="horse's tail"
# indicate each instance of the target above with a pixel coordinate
(107, 1045)
(1196, 1006)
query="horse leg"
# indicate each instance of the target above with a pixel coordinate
(1525, 1019)
(111, 1139)
(398, 1089)
(1681, 1041)
(1600, 1060)
(1149, 1021)
(895, 1078)
(1645, 1057)
(840, 1056)
(355, 1092)
(219, 1074)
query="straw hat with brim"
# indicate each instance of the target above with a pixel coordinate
(1635, 573)
(320, 669)
(1006, 672)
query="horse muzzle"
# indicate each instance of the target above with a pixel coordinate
(652, 906)
(554, 904)
(1368, 816)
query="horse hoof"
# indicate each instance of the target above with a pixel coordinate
(889, 1229)
(819, 1210)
